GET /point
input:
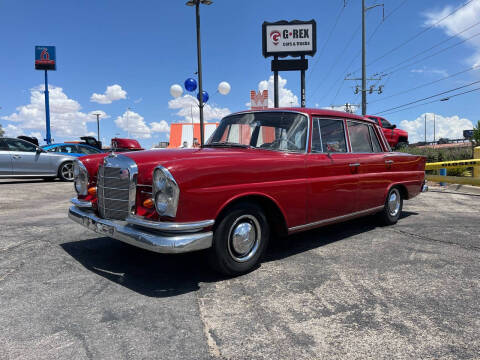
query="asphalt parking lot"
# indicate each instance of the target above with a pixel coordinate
(349, 291)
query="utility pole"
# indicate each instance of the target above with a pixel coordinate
(98, 126)
(425, 128)
(434, 127)
(364, 56)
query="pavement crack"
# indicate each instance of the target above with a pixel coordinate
(208, 331)
(423, 237)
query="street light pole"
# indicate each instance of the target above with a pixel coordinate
(98, 126)
(196, 3)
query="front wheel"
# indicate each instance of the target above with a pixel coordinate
(65, 171)
(393, 207)
(239, 240)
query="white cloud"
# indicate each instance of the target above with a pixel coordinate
(134, 124)
(113, 93)
(286, 98)
(188, 108)
(425, 70)
(66, 119)
(351, 107)
(161, 126)
(450, 127)
(458, 22)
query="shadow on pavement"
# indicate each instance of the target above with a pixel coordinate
(158, 275)
(26, 181)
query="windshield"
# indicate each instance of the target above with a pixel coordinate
(281, 131)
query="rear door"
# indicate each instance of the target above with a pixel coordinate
(372, 179)
(5, 159)
(26, 160)
(332, 172)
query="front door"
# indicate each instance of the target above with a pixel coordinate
(5, 159)
(332, 172)
(26, 160)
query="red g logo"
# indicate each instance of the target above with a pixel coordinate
(275, 36)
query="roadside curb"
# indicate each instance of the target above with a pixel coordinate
(461, 189)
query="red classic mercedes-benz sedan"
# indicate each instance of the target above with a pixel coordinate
(261, 175)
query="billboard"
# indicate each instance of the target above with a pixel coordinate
(45, 58)
(289, 38)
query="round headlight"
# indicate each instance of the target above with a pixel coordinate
(80, 178)
(165, 192)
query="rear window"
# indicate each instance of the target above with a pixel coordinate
(359, 137)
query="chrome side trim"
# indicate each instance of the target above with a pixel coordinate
(335, 219)
(169, 226)
(81, 204)
(156, 242)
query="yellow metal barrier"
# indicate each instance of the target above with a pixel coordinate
(475, 163)
(454, 179)
(452, 164)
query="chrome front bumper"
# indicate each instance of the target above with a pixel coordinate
(166, 242)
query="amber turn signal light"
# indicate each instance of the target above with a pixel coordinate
(148, 203)
(92, 191)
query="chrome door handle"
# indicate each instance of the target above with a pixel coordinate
(389, 162)
(16, 156)
(354, 164)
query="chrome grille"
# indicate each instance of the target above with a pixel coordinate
(116, 187)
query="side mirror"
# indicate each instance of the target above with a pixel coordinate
(394, 126)
(39, 150)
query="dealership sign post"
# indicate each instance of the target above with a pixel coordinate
(45, 60)
(289, 38)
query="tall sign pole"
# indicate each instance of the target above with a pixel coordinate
(47, 111)
(45, 59)
(289, 38)
(364, 65)
(200, 87)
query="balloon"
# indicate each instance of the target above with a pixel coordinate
(205, 96)
(190, 84)
(176, 90)
(224, 88)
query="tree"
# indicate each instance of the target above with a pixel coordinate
(476, 134)
(2, 132)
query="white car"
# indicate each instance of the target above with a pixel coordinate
(22, 159)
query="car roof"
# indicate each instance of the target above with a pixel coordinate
(313, 112)
(69, 144)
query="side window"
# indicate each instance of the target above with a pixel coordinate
(53, 149)
(3, 145)
(85, 150)
(20, 145)
(330, 136)
(67, 149)
(359, 137)
(376, 144)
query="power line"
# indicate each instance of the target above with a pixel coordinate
(426, 84)
(429, 97)
(386, 17)
(428, 56)
(328, 38)
(431, 102)
(418, 34)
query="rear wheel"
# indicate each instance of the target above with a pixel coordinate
(393, 207)
(65, 171)
(402, 144)
(239, 239)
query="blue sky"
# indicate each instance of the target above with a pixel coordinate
(142, 48)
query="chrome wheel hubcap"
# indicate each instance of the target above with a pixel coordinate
(244, 238)
(67, 171)
(394, 203)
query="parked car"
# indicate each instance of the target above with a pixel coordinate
(397, 138)
(20, 158)
(262, 174)
(71, 149)
(124, 144)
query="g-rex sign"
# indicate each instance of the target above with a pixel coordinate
(294, 38)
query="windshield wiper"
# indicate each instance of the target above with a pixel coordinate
(226, 144)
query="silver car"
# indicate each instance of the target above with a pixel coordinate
(20, 158)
